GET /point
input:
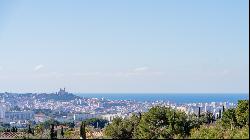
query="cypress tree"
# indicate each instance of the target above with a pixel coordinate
(29, 130)
(213, 118)
(12, 129)
(33, 132)
(73, 125)
(199, 112)
(52, 132)
(140, 115)
(82, 131)
(62, 133)
(55, 134)
(219, 114)
(223, 108)
(186, 127)
(173, 123)
(208, 117)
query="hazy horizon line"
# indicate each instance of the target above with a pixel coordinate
(133, 92)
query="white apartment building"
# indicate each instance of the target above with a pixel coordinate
(84, 116)
(18, 115)
(110, 117)
(2, 110)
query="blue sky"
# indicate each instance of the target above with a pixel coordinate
(168, 46)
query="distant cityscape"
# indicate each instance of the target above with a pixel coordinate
(19, 110)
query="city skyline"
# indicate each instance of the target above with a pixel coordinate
(124, 47)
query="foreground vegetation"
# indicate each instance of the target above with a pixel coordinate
(52, 129)
(158, 123)
(166, 123)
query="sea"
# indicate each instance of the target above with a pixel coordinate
(175, 98)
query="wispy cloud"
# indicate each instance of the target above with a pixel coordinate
(87, 74)
(140, 69)
(38, 67)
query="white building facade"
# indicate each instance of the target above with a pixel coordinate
(18, 116)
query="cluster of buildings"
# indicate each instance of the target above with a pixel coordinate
(78, 108)
(19, 118)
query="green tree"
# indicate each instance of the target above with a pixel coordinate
(30, 130)
(96, 122)
(120, 129)
(166, 123)
(83, 130)
(163, 122)
(13, 129)
(199, 112)
(229, 119)
(134, 121)
(220, 114)
(52, 132)
(39, 130)
(209, 117)
(62, 132)
(71, 124)
(242, 113)
(47, 124)
(218, 132)
(207, 132)
(242, 133)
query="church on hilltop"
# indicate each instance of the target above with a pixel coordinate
(62, 92)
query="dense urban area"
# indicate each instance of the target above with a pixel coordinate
(34, 115)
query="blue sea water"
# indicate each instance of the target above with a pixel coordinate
(177, 98)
